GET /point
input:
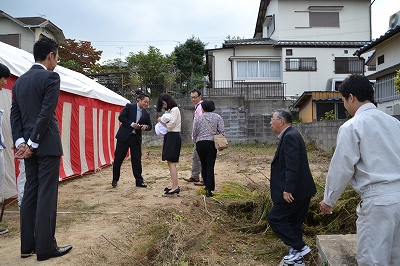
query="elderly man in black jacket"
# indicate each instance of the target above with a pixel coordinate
(292, 186)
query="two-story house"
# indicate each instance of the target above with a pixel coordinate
(24, 32)
(297, 46)
(386, 59)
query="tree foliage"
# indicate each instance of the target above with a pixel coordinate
(79, 56)
(190, 59)
(153, 67)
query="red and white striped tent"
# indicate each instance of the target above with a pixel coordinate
(87, 113)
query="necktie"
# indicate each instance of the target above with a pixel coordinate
(138, 115)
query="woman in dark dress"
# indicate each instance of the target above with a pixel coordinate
(172, 140)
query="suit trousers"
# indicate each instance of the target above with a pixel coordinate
(121, 149)
(196, 164)
(39, 207)
(286, 220)
(208, 155)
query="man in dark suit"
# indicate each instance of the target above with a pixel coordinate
(134, 119)
(292, 186)
(37, 138)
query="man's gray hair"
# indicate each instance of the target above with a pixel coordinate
(285, 115)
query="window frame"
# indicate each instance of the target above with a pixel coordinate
(239, 63)
(303, 64)
(345, 65)
(324, 19)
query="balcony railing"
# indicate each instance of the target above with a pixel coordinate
(247, 90)
(385, 89)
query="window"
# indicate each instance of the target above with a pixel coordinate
(349, 65)
(381, 59)
(324, 19)
(11, 39)
(301, 64)
(339, 110)
(289, 52)
(258, 69)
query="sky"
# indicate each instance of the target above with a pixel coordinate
(121, 27)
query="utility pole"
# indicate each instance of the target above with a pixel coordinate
(120, 55)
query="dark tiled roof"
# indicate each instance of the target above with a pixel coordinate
(320, 43)
(327, 99)
(33, 21)
(275, 43)
(257, 41)
(369, 45)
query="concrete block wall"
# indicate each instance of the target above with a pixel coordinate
(323, 133)
(247, 121)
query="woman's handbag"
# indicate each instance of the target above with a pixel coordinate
(220, 140)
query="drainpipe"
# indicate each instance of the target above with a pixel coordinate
(234, 53)
(370, 20)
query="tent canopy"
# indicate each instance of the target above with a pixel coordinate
(20, 61)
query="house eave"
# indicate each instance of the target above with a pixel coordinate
(370, 45)
(384, 72)
(260, 17)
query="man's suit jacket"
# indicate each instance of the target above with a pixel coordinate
(290, 171)
(127, 117)
(35, 98)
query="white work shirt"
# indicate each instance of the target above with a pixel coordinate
(367, 154)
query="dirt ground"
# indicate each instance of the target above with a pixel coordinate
(127, 225)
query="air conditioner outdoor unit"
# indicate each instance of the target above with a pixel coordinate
(394, 20)
(393, 109)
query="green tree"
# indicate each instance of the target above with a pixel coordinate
(190, 60)
(153, 67)
(79, 56)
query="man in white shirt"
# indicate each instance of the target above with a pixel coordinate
(196, 98)
(367, 154)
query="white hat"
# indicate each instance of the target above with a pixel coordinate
(161, 129)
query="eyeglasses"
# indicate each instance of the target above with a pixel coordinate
(275, 118)
(194, 97)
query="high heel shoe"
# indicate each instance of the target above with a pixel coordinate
(167, 189)
(170, 192)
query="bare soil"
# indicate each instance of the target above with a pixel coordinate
(127, 225)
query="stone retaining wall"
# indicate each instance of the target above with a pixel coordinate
(247, 121)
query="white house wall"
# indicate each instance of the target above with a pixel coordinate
(299, 81)
(26, 35)
(45, 32)
(296, 81)
(222, 64)
(292, 21)
(390, 50)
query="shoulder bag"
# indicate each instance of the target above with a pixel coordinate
(220, 140)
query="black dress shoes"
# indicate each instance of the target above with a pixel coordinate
(141, 185)
(58, 252)
(114, 183)
(209, 193)
(170, 192)
(27, 253)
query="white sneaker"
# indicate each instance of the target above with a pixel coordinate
(289, 253)
(298, 262)
(3, 230)
(296, 254)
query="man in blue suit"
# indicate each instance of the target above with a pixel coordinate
(292, 187)
(134, 119)
(37, 137)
